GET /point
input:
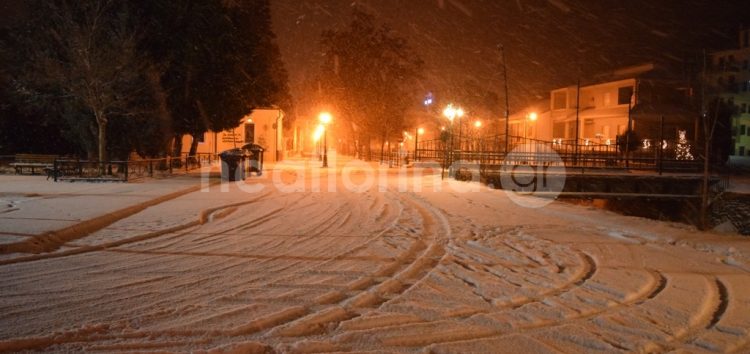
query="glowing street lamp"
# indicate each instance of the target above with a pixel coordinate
(477, 126)
(452, 113)
(325, 119)
(420, 131)
(317, 134)
(532, 117)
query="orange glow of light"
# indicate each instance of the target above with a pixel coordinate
(318, 133)
(325, 117)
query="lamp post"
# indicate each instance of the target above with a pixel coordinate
(477, 126)
(317, 134)
(419, 132)
(452, 113)
(531, 117)
(325, 119)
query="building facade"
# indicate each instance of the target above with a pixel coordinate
(263, 127)
(731, 75)
(641, 97)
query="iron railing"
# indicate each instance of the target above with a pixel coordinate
(123, 171)
(667, 156)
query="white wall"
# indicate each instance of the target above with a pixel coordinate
(266, 124)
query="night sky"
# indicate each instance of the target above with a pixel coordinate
(548, 43)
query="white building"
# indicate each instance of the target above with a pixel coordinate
(263, 127)
(732, 75)
(638, 95)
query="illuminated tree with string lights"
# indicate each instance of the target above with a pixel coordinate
(682, 150)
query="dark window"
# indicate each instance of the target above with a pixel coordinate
(744, 108)
(743, 129)
(558, 130)
(249, 133)
(559, 100)
(201, 138)
(742, 151)
(572, 130)
(624, 95)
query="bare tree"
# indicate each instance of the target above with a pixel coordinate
(87, 52)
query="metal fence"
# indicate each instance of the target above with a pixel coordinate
(669, 155)
(123, 171)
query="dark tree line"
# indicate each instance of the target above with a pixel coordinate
(111, 77)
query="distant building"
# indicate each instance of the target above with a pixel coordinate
(731, 74)
(638, 96)
(262, 127)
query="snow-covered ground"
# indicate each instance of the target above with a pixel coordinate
(356, 258)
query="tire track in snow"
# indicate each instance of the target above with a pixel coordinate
(386, 283)
(398, 336)
(202, 218)
(274, 320)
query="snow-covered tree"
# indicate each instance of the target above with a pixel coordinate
(371, 72)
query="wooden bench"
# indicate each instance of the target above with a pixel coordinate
(33, 162)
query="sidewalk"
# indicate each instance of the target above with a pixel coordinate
(32, 205)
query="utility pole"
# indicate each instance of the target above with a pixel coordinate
(628, 133)
(578, 119)
(507, 109)
(708, 133)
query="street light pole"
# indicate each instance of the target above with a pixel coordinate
(419, 132)
(325, 118)
(325, 147)
(451, 113)
(507, 109)
(531, 117)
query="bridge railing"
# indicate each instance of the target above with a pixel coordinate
(670, 155)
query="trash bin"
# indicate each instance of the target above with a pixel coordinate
(255, 158)
(232, 165)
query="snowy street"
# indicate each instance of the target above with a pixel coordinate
(355, 258)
